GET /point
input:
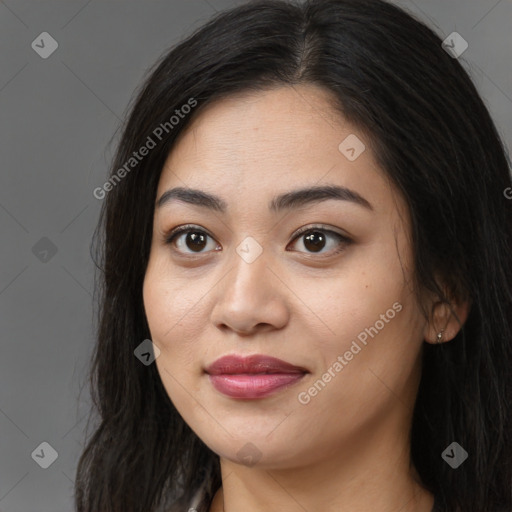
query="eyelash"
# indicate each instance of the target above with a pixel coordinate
(187, 228)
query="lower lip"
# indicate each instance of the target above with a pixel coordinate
(253, 385)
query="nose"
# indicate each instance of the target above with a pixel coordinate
(251, 298)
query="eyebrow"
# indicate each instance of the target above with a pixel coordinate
(287, 201)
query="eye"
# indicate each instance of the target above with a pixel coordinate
(195, 238)
(315, 239)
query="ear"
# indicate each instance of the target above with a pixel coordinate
(446, 319)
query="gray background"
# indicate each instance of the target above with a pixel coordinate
(57, 118)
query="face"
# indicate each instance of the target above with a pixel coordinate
(322, 282)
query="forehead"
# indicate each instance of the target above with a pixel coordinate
(256, 144)
(252, 122)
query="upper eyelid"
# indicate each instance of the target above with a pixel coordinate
(319, 227)
(180, 230)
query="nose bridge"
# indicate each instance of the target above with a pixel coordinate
(249, 296)
(250, 267)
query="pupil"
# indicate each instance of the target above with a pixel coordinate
(316, 239)
(198, 239)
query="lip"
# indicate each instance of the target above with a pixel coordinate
(255, 376)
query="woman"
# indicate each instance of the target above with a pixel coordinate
(307, 276)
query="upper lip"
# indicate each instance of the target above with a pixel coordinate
(235, 364)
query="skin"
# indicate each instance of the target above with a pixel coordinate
(347, 449)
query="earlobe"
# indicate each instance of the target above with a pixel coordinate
(446, 320)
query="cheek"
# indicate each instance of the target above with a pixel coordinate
(168, 311)
(170, 308)
(365, 288)
(368, 316)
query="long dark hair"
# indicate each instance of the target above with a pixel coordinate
(431, 134)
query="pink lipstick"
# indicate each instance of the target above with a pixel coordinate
(256, 376)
